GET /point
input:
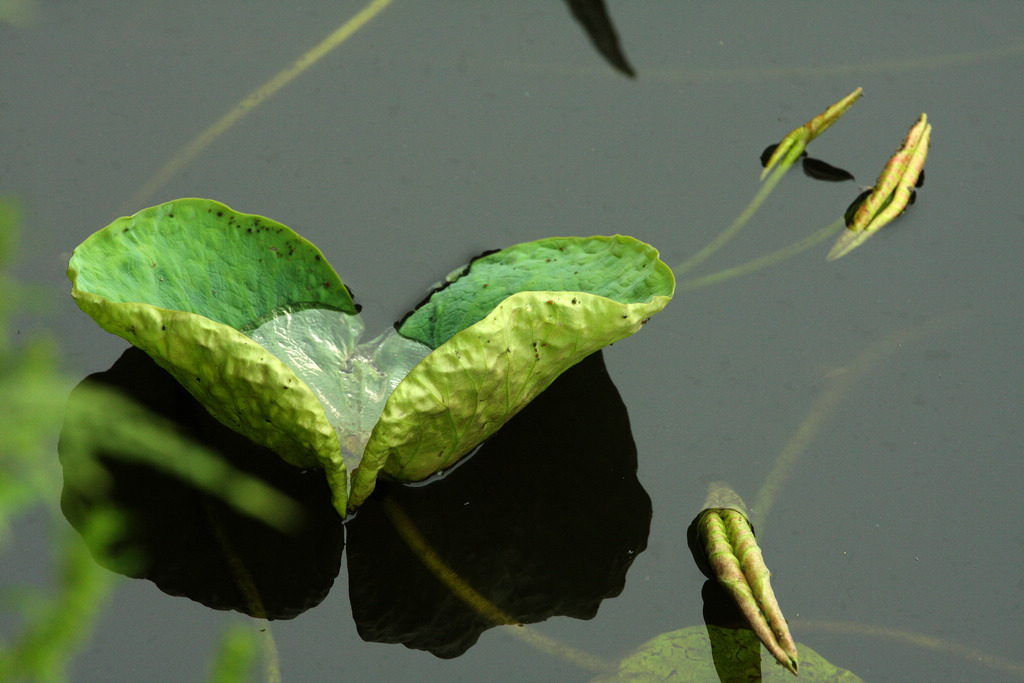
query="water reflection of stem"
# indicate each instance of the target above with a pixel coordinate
(763, 261)
(985, 659)
(420, 547)
(256, 98)
(254, 601)
(825, 408)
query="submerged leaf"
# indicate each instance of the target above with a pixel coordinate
(854, 205)
(689, 655)
(769, 152)
(735, 560)
(813, 168)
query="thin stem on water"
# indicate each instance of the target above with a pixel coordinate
(723, 237)
(785, 155)
(889, 634)
(762, 262)
(256, 98)
(824, 409)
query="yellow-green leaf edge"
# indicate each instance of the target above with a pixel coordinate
(238, 381)
(483, 375)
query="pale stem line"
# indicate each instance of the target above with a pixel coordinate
(763, 261)
(741, 220)
(824, 410)
(763, 74)
(254, 601)
(187, 153)
(971, 654)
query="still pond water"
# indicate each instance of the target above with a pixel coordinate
(442, 129)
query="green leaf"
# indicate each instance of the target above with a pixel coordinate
(504, 330)
(200, 256)
(238, 651)
(251, 320)
(180, 280)
(689, 654)
(619, 268)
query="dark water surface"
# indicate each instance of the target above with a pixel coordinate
(442, 129)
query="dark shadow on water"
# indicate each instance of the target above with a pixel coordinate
(543, 520)
(190, 543)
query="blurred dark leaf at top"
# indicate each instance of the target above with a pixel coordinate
(593, 16)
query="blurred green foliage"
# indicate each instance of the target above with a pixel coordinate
(17, 12)
(51, 623)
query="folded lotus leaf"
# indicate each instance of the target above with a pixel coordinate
(504, 330)
(251, 319)
(180, 280)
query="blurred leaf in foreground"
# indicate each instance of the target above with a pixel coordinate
(794, 144)
(734, 559)
(234, 660)
(893, 191)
